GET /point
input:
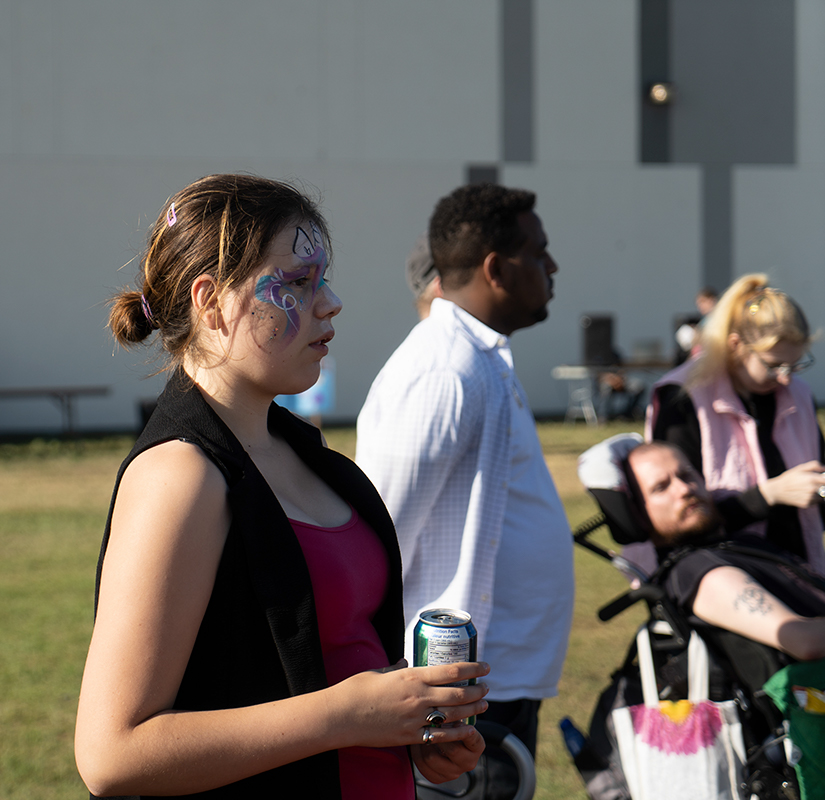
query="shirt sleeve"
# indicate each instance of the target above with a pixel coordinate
(821, 461)
(740, 510)
(821, 447)
(682, 581)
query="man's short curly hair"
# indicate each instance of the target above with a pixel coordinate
(473, 221)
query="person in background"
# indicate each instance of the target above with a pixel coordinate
(249, 623)
(706, 301)
(688, 334)
(422, 277)
(447, 435)
(747, 422)
(616, 384)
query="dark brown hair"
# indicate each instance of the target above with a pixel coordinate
(219, 225)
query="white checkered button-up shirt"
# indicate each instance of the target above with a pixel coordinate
(434, 437)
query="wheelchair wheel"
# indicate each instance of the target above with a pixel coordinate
(475, 785)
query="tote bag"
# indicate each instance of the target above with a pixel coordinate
(686, 750)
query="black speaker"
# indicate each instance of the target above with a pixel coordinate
(597, 340)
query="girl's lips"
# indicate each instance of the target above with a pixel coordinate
(320, 344)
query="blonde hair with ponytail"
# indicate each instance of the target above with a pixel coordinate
(762, 317)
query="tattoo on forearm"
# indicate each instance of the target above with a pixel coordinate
(753, 598)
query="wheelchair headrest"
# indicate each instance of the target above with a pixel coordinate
(601, 471)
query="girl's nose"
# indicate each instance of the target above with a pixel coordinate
(328, 303)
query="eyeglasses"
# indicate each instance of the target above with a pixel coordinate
(785, 370)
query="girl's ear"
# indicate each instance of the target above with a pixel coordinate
(204, 295)
(734, 342)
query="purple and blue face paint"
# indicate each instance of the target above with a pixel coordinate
(294, 290)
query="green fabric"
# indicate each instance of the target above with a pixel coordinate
(807, 730)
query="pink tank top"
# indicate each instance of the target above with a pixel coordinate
(349, 572)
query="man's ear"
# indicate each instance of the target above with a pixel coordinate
(493, 269)
(204, 294)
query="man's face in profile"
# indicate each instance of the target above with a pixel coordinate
(527, 276)
(673, 493)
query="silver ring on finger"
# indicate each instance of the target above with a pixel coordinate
(428, 736)
(436, 717)
(821, 491)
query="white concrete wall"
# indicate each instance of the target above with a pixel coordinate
(109, 106)
(626, 242)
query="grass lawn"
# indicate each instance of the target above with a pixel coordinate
(53, 502)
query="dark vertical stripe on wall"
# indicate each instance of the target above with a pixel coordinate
(654, 39)
(481, 173)
(734, 67)
(717, 204)
(517, 84)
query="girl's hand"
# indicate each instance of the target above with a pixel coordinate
(390, 707)
(450, 759)
(798, 486)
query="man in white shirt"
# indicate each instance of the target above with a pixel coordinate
(447, 436)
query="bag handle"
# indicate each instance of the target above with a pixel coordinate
(698, 667)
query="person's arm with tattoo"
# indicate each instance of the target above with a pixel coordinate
(731, 599)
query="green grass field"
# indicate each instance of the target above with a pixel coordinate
(53, 502)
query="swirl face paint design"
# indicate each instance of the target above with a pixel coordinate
(293, 291)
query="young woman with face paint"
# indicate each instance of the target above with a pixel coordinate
(249, 625)
(747, 422)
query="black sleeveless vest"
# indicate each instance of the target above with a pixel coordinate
(259, 640)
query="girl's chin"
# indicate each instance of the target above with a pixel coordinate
(299, 386)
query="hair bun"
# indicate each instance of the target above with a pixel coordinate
(128, 319)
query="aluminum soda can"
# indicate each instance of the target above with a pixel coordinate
(445, 636)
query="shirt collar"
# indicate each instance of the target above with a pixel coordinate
(484, 336)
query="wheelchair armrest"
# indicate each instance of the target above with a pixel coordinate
(647, 592)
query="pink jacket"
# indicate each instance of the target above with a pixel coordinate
(731, 458)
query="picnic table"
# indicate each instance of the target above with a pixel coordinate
(64, 396)
(580, 382)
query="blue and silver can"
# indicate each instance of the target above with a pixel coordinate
(445, 636)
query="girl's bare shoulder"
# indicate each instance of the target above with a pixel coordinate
(178, 461)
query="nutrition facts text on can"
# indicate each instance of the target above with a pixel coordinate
(448, 647)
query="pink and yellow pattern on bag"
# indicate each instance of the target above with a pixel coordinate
(680, 727)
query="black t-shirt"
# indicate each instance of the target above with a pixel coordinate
(788, 579)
